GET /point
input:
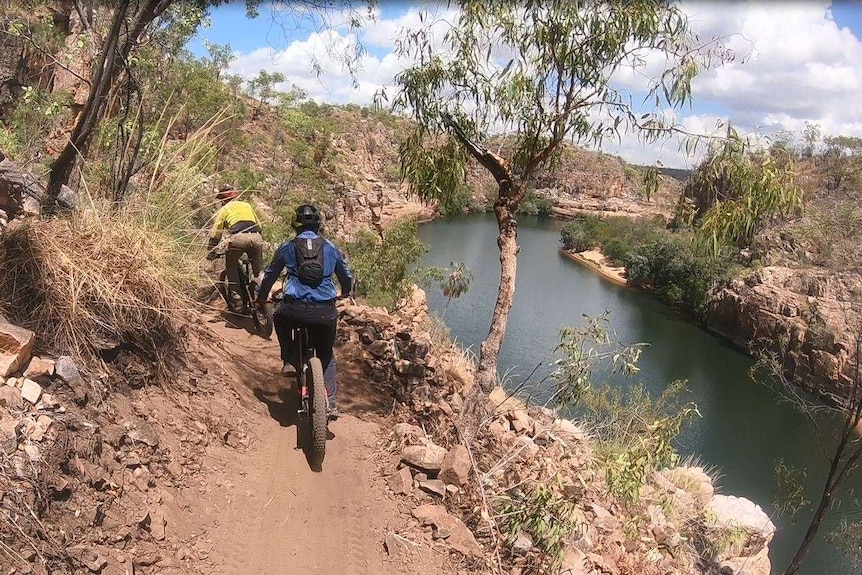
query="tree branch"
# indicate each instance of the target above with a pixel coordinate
(491, 161)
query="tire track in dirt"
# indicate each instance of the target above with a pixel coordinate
(285, 518)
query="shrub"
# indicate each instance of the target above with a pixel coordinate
(578, 236)
(382, 267)
(680, 277)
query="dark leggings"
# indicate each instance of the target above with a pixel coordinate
(320, 320)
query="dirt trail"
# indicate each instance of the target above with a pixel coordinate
(265, 511)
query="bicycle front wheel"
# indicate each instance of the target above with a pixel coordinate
(318, 416)
(262, 318)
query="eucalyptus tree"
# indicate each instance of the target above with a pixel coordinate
(541, 73)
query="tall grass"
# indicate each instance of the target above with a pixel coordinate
(116, 274)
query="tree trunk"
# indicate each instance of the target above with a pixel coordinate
(507, 242)
(103, 76)
(112, 58)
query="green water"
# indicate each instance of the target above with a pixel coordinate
(744, 428)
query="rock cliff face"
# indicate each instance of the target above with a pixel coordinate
(806, 316)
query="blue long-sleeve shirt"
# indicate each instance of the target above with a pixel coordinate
(285, 257)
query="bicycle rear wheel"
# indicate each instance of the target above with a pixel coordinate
(223, 289)
(318, 416)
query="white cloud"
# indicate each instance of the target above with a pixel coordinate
(793, 64)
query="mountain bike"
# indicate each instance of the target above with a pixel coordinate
(261, 317)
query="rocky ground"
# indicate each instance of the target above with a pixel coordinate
(203, 475)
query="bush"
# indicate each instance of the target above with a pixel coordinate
(680, 277)
(579, 235)
(382, 267)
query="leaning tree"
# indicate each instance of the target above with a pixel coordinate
(536, 74)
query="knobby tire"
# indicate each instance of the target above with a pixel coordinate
(318, 416)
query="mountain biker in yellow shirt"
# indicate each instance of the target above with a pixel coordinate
(239, 220)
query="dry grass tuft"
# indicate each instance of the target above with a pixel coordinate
(88, 283)
(117, 275)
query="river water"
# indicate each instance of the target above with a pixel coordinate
(744, 428)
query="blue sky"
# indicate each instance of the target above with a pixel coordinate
(803, 63)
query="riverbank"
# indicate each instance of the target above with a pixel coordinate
(597, 262)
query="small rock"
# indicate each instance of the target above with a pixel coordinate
(433, 486)
(428, 458)
(65, 369)
(405, 431)
(10, 398)
(379, 348)
(521, 421)
(16, 344)
(91, 559)
(528, 446)
(499, 402)
(460, 537)
(565, 426)
(39, 367)
(157, 525)
(574, 562)
(523, 543)
(9, 430)
(31, 391)
(455, 467)
(32, 452)
(138, 430)
(401, 482)
(397, 546)
(48, 402)
(12, 381)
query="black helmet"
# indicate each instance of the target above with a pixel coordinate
(307, 217)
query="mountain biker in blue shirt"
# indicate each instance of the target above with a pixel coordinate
(309, 295)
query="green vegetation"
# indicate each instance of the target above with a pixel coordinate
(635, 431)
(677, 273)
(382, 267)
(545, 513)
(734, 194)
(536, 205)
(664, 262)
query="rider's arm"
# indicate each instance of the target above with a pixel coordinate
(215, 234)
(273, 270)
(342, 271)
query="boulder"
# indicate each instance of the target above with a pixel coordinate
(10, 398)
(31, 391)
(460, 538)
(39, 367)
(456, 466)
(740, 555)
(694, 481)
(428, 458)
(738, 512)
(16, 345)
(66, 370)
(401, 482)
